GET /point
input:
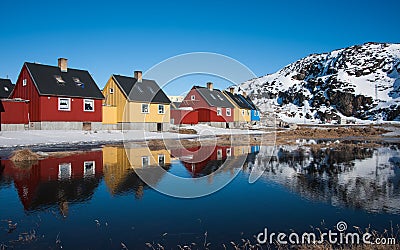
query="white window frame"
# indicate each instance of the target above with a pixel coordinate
(24, 81)
(68, 101)
(91, 171)
(159, 157)
(242, 112)
(111, 90)
(219, 154)
(163, 109)
(91, 101)
(147, 158)
(219, 111)
(228, 152)
(148, 108)
(193, 97)
(228, 112)
(69, 171)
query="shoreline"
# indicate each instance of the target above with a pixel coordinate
(48, 139)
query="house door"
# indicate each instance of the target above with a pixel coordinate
(87, 126)
(159, 127)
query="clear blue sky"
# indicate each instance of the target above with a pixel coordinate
(118, 37)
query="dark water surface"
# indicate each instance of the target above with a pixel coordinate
(95, 199)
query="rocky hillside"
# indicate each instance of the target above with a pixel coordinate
(361, 81)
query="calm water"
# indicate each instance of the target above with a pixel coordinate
(95, 199)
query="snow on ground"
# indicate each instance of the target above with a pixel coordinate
(55, 137)
(205, 130)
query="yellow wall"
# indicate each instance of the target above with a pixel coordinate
(109, 115)
(246, 117)
(118, 161)
(132, 111)
(241, 150)
(132, 157)
(237, 114)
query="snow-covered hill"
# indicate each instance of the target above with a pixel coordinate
(361, 81)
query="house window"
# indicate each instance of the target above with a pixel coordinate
(161, 160)
(88, 105)
(59, 79)
(219, 111)
(88, 168)
(213, 96)
(242, 112)
(64, 171)
(24, 82)
(161, 109)
(145, 108)
(228, 112)
(145, 161)
(111, 91)
(219, 154)
(192, 97)
(78, 82)
(228, 152)
(248, 112)
(64, 104)
(151, 89)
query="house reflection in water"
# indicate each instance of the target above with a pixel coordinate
(122, 166)
(204, 160)
(56, 180)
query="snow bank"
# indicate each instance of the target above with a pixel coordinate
(54, 137)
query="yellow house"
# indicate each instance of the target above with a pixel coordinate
(135, 103)
(121, 164)
(242, 110)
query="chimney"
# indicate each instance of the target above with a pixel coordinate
(244, 94)
(210, 86)
(232, 90)
(138, 75)
(63, 64)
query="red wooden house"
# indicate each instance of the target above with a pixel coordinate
(59, 97)
(204, 160)
(184, 115)
(55, 180)
(212, 106)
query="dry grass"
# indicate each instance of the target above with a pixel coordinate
(24, 155)
(24, 158)
(187, 131)
(289, 136)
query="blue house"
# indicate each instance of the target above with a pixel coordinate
(255, 113)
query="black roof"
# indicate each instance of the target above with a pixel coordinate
(237, 98)
(6, 87)
(73, 83)
(214, 97)
(250, 102)
(175, 105)
(144, 91)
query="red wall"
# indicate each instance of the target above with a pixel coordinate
(51, 112)
(27, 180)
(14, 112)
(45, 108)
(206, 112)
(28, 92)
(185, 116)
(201, 156)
